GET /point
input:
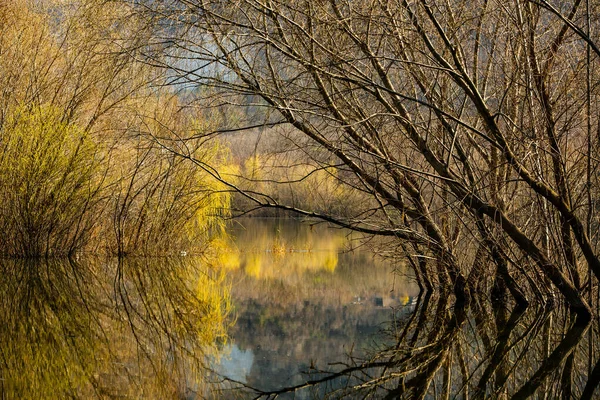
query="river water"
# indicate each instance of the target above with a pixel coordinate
(303, 301)
(277, 308)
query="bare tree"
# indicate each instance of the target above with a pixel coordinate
(464, 122)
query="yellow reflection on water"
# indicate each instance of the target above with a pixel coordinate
(223, 253)
(139, 328)
(285, 261)
(272, 249)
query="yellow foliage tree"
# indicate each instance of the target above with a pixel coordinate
(50, 179)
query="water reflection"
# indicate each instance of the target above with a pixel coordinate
(476, 352)
(104, 329)
(306, 327)
(300, 331)
(306, 303)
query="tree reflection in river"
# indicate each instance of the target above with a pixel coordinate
(293, 318)
(143, 327)
(96, 329)
(477, 351)
(308, 304)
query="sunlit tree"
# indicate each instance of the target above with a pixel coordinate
(79, 123)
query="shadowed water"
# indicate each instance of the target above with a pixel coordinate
(444, 352)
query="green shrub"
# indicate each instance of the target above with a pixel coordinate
(162, 203)
(49, 184)
(63, 190)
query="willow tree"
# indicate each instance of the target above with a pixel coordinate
(470, 125)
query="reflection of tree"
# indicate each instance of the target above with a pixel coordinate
(106, 329)
(475, 352)
(304, 252)
(289, 341)
(305, 316)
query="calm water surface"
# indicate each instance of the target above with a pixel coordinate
(305, 307)
(303, 301)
